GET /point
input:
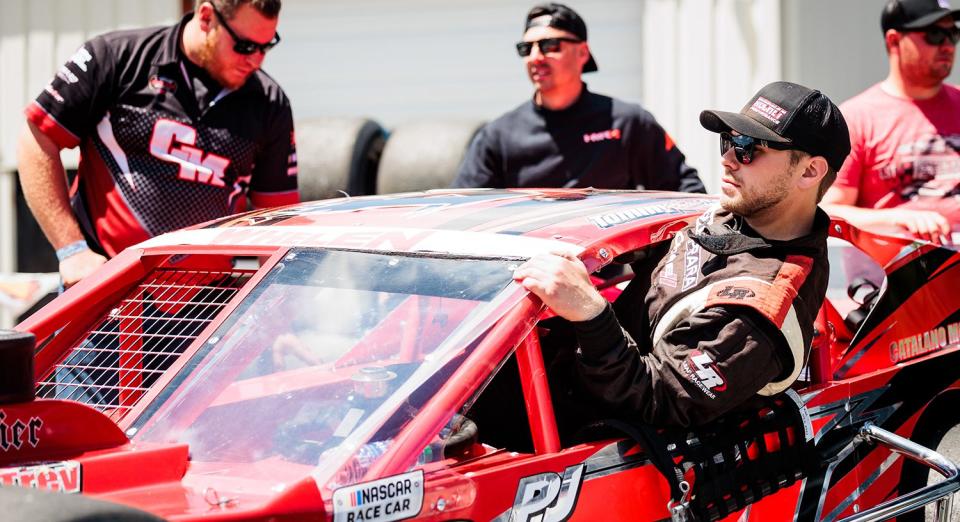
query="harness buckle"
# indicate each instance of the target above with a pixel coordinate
(679, 510)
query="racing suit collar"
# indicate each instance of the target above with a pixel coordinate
(728, 234)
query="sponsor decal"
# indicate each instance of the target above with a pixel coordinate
(392, 498)
(174, 142)
(67, 75)
(668, 142)
(704, 220)
(292, 157)
(239, 188)
(81, 58)
(64, 477)
(736, 292)
(162, 84)
(668, 275)
(768, 109)
(547, 497)
(53, 92)
(628, 215)
(16, 434)
(594, 137)
(923, 343)
(702, 371)
(691, 265)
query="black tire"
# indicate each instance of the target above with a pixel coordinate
(338, 154)
(938, 429)
(424, 155)
(30, 505)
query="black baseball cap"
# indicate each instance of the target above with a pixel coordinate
(785, 112)
(561, 17)
(914, 14)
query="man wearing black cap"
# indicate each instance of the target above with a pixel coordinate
(904, 166)
(729, 311)
(567, 136)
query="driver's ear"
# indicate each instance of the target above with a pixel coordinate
(813, 172)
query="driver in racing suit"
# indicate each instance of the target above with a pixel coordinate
(729, 312)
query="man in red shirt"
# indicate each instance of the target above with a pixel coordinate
(176, 125)
(904, 165)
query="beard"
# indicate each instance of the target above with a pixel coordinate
(751, 203)
(214, 66)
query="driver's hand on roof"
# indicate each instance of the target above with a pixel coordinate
(561, 280)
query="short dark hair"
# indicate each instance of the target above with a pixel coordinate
(268, 8)
(828, 179)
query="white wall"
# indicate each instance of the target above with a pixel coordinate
(706, 54)
(396, 61)
(401, 61)
(36, 37)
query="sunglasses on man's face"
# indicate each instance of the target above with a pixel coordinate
(936, 35)
(744, 147)
(546, 45)
(242, 45)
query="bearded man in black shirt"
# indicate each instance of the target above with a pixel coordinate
(567, 136)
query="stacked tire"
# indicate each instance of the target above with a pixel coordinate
(338, 156)
(424, 155)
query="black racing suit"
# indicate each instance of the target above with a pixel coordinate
(598, 142)
(728, 315)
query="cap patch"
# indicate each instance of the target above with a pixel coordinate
(944, 3)
(768, 109)
(540, 21)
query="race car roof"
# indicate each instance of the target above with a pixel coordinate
(482, 222)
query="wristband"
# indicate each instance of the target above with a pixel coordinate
(71, 250)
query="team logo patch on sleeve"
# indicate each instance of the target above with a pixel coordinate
(738, 293)
(392, 498)
(702, 371)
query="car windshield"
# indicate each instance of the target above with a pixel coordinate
(331, 348)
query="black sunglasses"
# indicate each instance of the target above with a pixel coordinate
(547, 45)
(242, 45)
(936, 35)
(743, 146)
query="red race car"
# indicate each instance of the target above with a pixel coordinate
(372, 359)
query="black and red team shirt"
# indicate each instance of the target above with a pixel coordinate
(162, 145)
